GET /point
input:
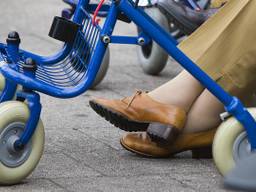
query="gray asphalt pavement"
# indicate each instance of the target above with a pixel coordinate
(82, 151)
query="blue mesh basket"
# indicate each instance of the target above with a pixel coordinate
(62, 78)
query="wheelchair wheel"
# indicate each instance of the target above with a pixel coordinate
(17, 165)
(152, 57)
(103, 69)
(230, 144)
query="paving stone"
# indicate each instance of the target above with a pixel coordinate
(126, 184)
(34, 185)
(61, 165)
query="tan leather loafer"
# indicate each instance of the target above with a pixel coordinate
(136, 112)
(140, 143)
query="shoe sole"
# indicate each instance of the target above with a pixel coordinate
(196, 152)
(117, 119)
(140, 153)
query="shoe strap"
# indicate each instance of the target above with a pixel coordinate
(137, 93)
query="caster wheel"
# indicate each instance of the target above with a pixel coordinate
(152, 57)
(103, 69)
(230, 144)
(2, 82)
(17, 165)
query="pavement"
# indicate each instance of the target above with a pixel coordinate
(82, 151)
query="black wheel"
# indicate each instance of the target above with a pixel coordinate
(103, 69)
(152, 57)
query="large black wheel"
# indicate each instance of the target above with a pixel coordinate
(152, 57)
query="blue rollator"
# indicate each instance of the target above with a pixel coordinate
(72, 71)
(151, 57)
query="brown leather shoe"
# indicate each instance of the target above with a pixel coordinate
(140, 143)
(136, 112)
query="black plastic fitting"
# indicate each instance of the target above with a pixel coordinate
(64, 30)
(29, 65)
(13, 37)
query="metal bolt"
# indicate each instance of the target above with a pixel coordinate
(224, 116)
(141, 41)
(106, 39)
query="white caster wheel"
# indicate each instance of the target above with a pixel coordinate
(230, 144)
(152, 57)
(17, 165)
(2, 82)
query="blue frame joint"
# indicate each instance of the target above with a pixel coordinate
(9, 91)
(146, 38)
(35, 107)
(237, 109)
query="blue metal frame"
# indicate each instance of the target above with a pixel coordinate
(12, 50)
(151, 30)
(34, 105)
(190, 3)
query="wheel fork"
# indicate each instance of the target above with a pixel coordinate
(237, 109)
(34, 105)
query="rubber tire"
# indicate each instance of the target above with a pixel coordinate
(223, 143)
(2, 82)
(2, 85)
(13, 111)
(103, 69)
(155, 62)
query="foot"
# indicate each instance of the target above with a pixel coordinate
(135, 113)
(141, 144)
(186, 19)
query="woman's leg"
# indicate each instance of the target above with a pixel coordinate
(204, 113)
(203, 116)
(181, 91)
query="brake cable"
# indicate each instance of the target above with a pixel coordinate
(96, 21)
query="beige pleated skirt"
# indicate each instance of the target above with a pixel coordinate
(218, 3)
(225, 47)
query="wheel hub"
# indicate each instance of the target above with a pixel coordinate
(241, 147)
(9, 156)
(147, 49)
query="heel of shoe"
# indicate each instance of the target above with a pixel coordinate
(202, 153)
(162, 134)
